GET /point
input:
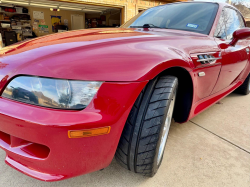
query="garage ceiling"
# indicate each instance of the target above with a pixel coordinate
(59, 5)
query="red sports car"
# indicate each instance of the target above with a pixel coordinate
(71, 101)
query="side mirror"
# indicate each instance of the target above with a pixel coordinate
(240, 34)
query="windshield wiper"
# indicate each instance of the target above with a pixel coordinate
(150, 26)
(145, 26)
(218, 37)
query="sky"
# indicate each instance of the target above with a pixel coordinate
(244, 2)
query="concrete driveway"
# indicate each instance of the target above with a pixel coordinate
(213, 149)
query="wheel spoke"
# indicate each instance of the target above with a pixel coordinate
(166, 130)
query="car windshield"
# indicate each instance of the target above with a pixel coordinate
(195, 17)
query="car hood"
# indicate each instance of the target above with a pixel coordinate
(115, 54)
(68, 38)
(87, 36)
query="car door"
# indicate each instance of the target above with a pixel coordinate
(234, 58)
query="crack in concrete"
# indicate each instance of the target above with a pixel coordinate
(221, 137)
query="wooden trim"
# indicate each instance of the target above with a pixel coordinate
(106, 4)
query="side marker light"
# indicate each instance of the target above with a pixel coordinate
(89, 132)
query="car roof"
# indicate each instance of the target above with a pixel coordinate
(221, 4)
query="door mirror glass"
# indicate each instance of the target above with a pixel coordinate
(240, 34)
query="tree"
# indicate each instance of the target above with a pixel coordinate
(241, 2)
(242, 8)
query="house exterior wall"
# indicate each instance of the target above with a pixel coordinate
(247, 22)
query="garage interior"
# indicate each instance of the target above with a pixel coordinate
(24, 19)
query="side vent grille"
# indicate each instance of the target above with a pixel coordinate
(205, 59)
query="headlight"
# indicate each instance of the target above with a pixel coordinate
(53, 93)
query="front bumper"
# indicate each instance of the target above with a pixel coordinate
(36, 139)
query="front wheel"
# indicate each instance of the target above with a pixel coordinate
(145, 134)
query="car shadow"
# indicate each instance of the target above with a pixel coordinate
(235, 95)
(113, 175)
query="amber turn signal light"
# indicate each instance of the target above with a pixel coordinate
(89, 132)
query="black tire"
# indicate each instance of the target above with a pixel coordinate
(140, 141)
(244, 89)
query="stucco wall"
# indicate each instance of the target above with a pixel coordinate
(248, 23)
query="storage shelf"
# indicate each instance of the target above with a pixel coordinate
(14, 20)
(13, 12)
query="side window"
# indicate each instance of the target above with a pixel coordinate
(233, 21)
(220, 31)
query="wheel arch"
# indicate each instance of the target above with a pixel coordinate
(185, 92)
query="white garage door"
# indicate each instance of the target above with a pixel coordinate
(77, 22)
